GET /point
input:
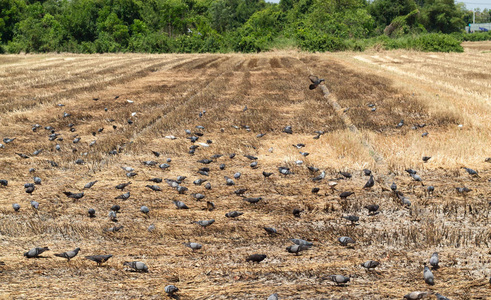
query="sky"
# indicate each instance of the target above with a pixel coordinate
(471, 5)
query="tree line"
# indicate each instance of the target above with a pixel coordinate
(185, 26)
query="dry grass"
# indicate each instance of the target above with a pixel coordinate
(439, 90)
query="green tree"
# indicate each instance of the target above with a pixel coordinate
(442, 16)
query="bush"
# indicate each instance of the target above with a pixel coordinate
(312, 40)
(477, 36)
(436, 42)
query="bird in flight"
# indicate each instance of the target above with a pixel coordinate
(315, 81)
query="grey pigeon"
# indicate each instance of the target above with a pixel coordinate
(199, 181)
(198, 196)
(131, 174)
(428, 276)
(440, 297)
(463, 190)
(156, 180)
(257, 258)
(205, 223)
(90, 184)
(154, 187)
(115, 208)
(16, 207)
(91, 212)
(35, 252)
(253, 200)
(193, 246)
(37, 180)
(180, 205)
(284, 170)
(74, 195)
(182, 189)
(69, 254)
(370, 183)
(151, 228)
(353, 219)
(229, 181)
(37, 152)
(288, 129)
(34, 204)
(149, 163)
(233, 214)
(144, 209)
(208, 186)
(345, 240)
(434, 260)
(123, 196)
(171, 289)
(471, 172)
(416, 177)
(393, 186)
(301, 242)
(273, 297)
(346, 175)
(271, 230)
(315, 81)
(400, 124)
(138, 266)
(164, 166)
(99, 259)
(30, 189)
(4, 182)
(321, 176)
(426, 158)
(8, 140)
(367, 172)
(415, 295)
(339, 279)
(114, 229)
(112, 216)
(345, 195)
(297, 248)
(370, 264)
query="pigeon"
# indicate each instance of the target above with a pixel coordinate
(137, 266)
(115, 208)
(222, 167)
(22, 155)
(257, 258)
(69, 254)
(205, 223)
(253, 200)
(339, 279)
(199, 181)
(345, 195)
(144, 210)
(112, 216)
(463, 190)
(157, 154)
(372, 208)
(472, 172)
(345, 240)
(253, 164)
(121, 186)
(296, 212)
(393, 186)
(16, 207)
(370, 183)
(193, 246)
(440, 297)
(297, 248)
(301, 242)
(233, 214)
(370, 264)
(114, 229)
(346, 174)
(90, 184)
(315, 82)
(182, 189)
(155, 188)
(131, 174)
(171, 289)
(267, 174)
(4, 182)
(180, 205)
(367, 172)
(299, 146)
(284, 170)
(35, 252)
(99, 259)
(156, 180)
(30, 189)
(321, 176)
(416, 177)
(8, 140)
(352, 219)
(74, 195)
(205, 161)
(251, 157)
(434, 260)
(315, 190)
(149, 163)
(91, 212)
(35, 204)
(229, 181)
(198, 196)
(426, 158)
(273, 297)
(151, 228)
(237, 175)
(123, 196)
(400, 124)
(210, 206)
(428, 276)
(415, 295)
(425, 134)
(271, 230)
(288, 129)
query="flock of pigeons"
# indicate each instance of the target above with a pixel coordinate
(178, 184)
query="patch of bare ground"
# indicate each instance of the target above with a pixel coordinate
(150, 98)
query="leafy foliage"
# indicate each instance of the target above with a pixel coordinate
(159, 26)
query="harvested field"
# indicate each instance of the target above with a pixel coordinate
(151, 97)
